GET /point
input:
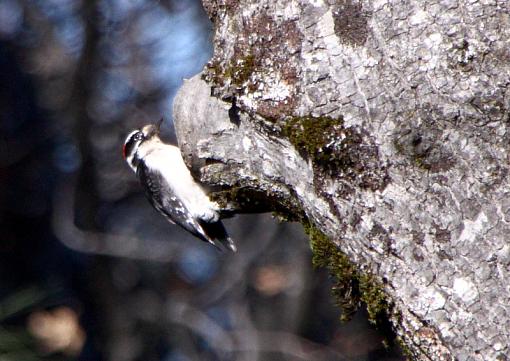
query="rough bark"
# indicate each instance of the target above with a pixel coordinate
(386, 124)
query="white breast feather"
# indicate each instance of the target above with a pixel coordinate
(168, 161)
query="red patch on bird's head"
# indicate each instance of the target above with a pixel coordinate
(124, 151)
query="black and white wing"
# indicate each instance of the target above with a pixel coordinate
(169, 204)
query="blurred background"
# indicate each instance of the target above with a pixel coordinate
(88, 270)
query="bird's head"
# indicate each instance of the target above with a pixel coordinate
(135, 139)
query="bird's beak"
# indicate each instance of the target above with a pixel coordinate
(158, 125)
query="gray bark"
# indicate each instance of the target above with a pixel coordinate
(421, 200)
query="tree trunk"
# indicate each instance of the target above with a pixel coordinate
(384, 124)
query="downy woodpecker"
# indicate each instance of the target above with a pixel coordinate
(170, 187)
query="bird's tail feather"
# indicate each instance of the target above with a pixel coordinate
(216, 232)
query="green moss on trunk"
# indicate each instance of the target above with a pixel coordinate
(317, 138)
(238, 71)
(337, 151)
(351, 285)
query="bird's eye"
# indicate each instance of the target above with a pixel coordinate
(130, 143)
